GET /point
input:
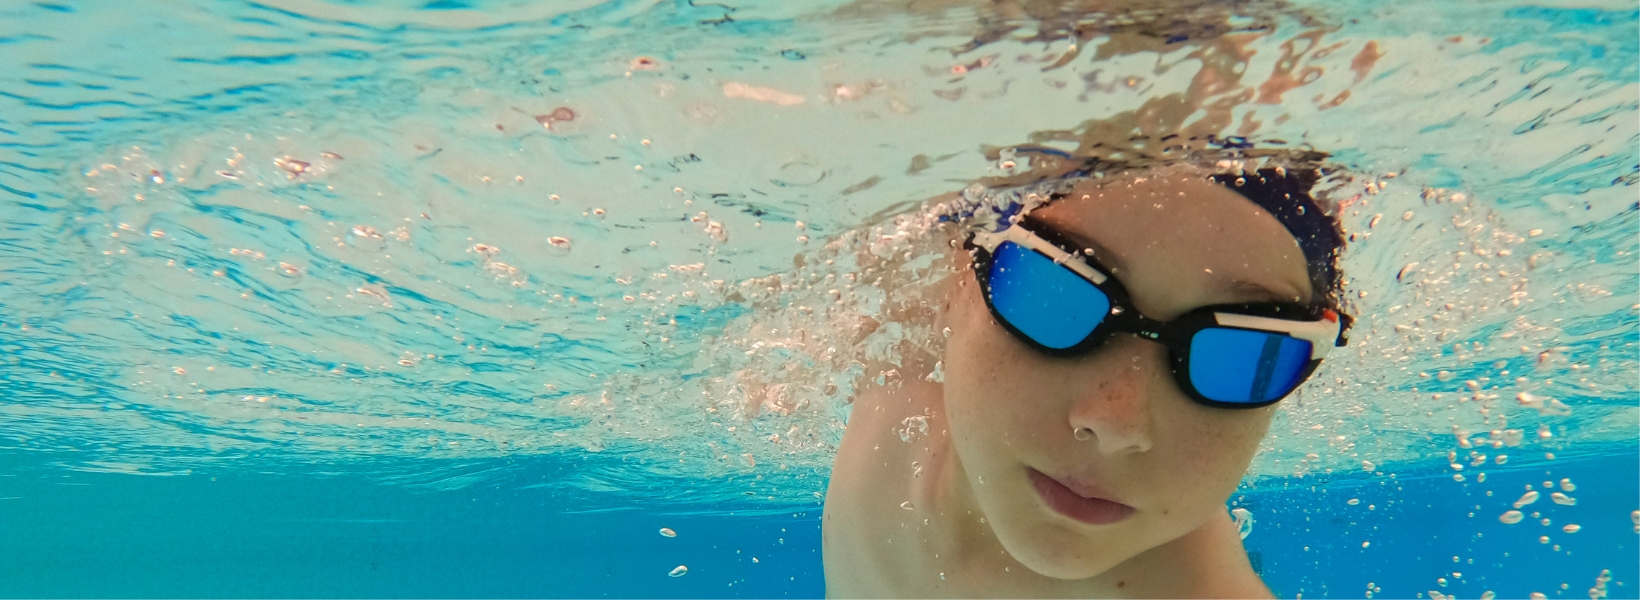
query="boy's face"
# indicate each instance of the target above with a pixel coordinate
(1177, 242)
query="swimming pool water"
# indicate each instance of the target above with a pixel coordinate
(470, 298)
(242, 534)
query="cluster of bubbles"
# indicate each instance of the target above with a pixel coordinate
(1462, 329)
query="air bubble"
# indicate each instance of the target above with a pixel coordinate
(1563, 499)
(912, 427)
(797, 174)
(1406, 271)
(1527, 498)
(1512, 517)
(366, 238)
(667, 532)
(295, 168)
(1244, 521)
(558, 115)
(678, 571)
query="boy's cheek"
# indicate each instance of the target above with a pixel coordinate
(1209, 468)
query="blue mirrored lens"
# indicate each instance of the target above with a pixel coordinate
(1047, 302)
(1238, 365)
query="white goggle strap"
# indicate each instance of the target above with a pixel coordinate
(1019, 235)
(1321, 335)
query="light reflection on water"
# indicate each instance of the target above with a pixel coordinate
(315, 234)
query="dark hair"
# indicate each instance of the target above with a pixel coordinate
(1281, 180)
(1286, 195)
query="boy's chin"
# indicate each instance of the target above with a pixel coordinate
(1072, 570)
(1065, 554)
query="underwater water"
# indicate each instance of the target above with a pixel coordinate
(473, 297)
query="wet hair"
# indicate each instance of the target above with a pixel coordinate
(1282, 181)
(1286, 196)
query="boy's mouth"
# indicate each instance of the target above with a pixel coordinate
(1089, 508)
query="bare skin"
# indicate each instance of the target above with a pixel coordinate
(954, 512)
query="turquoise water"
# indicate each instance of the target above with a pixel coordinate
(307, 298)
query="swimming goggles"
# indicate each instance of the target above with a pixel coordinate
(1062, 303)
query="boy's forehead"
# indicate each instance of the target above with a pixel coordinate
(1184, 197)
(1171, 219)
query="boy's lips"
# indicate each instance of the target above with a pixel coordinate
(1082, 503)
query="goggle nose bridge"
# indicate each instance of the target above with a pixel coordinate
(1123, 317)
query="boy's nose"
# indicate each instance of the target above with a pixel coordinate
(1113, 402)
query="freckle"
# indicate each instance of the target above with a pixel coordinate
(1121, 583)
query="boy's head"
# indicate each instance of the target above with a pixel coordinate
(1280, 180)
(1039, 434)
